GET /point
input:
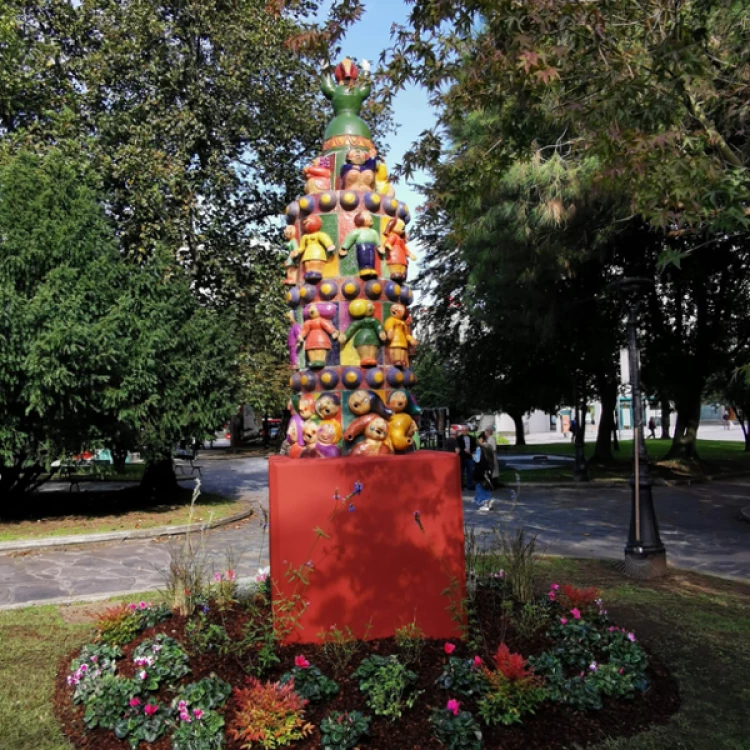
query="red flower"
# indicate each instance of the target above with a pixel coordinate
(300, 661)
(449, 648)
(150, 709)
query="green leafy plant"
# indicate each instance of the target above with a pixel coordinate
(340, 647)
(463, 676)
(576, 690)
(158, 660)
(520, 563)
(148, 615)
(514, 690)
(106, 704)
(94, 661)
(531, 618)
(117, 626)
(141, 722)
(206, 694)
(203, 635)
(410, 641)
(309, 681)
(258, 645)
(268, 714)
(454, 728)
(386, 682)
(198, 730)
(343, 730)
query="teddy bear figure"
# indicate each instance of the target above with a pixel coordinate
(375, 441)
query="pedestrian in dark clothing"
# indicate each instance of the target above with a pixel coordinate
(652, 428)
(467, 445)
(573, 428)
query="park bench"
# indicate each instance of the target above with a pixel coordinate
(187, 463)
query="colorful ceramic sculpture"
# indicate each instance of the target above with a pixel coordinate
(366, 402)
(375, 441)
(397, 255)
(382, 186)
(291, 265)
(314, 248)
(318, 175)
(327, 406)
(358, 173)
(399, 336)
(315, 333)
(292, 340)
(401, 429)
(367, 242)
(366, 331)
(294, 437)
(328, 438)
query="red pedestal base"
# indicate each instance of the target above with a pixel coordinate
(375, 569)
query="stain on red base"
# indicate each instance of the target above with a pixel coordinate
(379, 570)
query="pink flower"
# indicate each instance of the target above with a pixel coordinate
(142, 605)
(555, 586)
(132, 606)
(230, 575)
(449, 648)
(551, 596)
(576, 613)
(198, 713)
(454, 707)
(185, 716)
(150, 709)
(612, 629)
(142, 674)
(217, 577)
(631, 637)
(622, 670)
(477, 661)
(300, 661)
(563, 621)
(135, 702)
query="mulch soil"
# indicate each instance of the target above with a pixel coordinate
(553, 726)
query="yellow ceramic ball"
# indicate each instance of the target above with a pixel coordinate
(357, 308)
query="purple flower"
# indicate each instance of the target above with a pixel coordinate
(358, 487)
(351, 508)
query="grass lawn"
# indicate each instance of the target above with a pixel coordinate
(716, 457)
(698, 625)
(91, 512)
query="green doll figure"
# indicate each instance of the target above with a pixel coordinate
(347, 93)
(291, 266)
(366, 330)
(367, 241)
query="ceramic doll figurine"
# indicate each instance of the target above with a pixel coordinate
(364, 402)
(306, 407)
(314, 248)
(382, 185)
(329, 434)
(309, 434)
(294, 436)
(291, 265)
(399, 336)
(315, 333)
(376, 439)
(359, 171)
(292, 340)
(347, 93)
(327, 406)
(367, 241)
(318, 175)
(397, 255)
(366, 331)
(401, 429)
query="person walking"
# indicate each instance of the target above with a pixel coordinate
(573, 428)
(727, 422)
(652, 428)
(482, 476)
(491, 444)
(467, 444)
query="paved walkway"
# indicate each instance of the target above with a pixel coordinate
(700, 525)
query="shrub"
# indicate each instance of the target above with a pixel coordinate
(571, 597)
(456, 729)
(340, 647)
(109, 700)
(94, 661)
(463, 676)
(147, 615)
(140, 722)
(160, 659)
(198, 729)
(206, 694)
(117, 626)
(530, 619)
(513, 691)
(410, 641)
(386, 682)
(343, 730)
(268, 713)
(520, 560)
(310, 682)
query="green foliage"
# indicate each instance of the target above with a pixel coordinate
(410, 640)
(456, 731)
(203, 635)
(87, 669)
(386, 683)
(463, 677)
(141, 723)
(508, 701)
(105, 705)
(203, 732)
(268, 713)
(160, 659)
(530, 618)
(117, 626)
(339, 646)
(342, 730)
(310, 683)
(206, 694)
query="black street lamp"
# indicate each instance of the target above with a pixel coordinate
(580, 470)
(645, 556)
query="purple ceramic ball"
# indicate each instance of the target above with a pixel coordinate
(327, 289)
(390, 206)
(375, 378)
(374, 288)
(292, 212)
(373, 202)
(329, 378)
(350, 288)
(327, 200)
(295, 382)
(307, 380)
(327, 310)
(306, 205)
(409, 378)
(393, 291)
(395, 377)
(307, 292)
(348, 199)
(292, 297)
(351, 378)
(402, 211)
(406, 297)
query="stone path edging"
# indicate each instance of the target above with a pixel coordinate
(119, 536)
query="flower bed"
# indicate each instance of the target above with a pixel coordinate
(547, 673)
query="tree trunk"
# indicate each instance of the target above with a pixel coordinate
(686, 430)
(603, 447)
(666, 408)
(159, 477)
(741, 412)
(517, 418)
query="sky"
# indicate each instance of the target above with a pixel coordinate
(411, 110)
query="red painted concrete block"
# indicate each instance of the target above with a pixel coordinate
(381, 567)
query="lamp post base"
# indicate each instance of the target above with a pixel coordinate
(645, 564)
